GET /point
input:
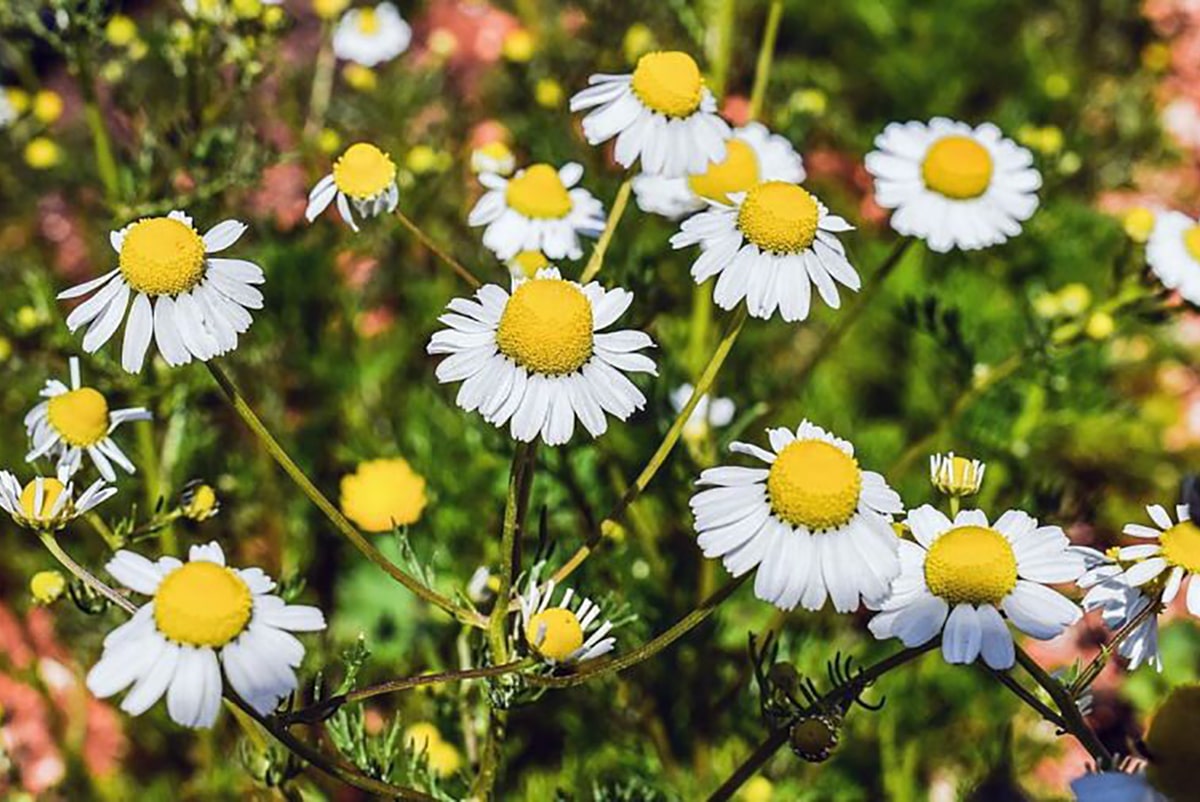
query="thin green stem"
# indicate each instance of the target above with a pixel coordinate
(85, 576)
(1023, 693)
(1071, 717)
(322, 85)
(766, 55)
(519, 482)
(489, 760)
(339, 521)
(1088, 675)
(437, 250)
(106, 164)
(596, 260)
(751, 765)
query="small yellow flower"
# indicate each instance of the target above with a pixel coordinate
(383, 494)
(424, 159)
(526, 264)
(6, 349)
(47, 586)
(17, 98)
(330, 9)
(329, 141)
(518, 45)
(42, 153)
(1156, 56)
(809, 101)
(1075, 298)
(956, 476)
(1138, 223)
(199, 501)
(444, 758)
(359, 77)
(1100, 326)
(247, 9)
(121, 31)
(1056, 85)
(273, 16)
(548, 93)
(639, 40)
(47, 106)
(758, 789)
(443, 42)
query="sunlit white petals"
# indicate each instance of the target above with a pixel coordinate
(371, 36)
(47, 504)
(1173, 253)
(568, 631)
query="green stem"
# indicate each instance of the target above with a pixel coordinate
(766, 55)
(1071, 717)
(85, 576)
(339, 521)
(489, 760)
(596, 260)
(322, 85)
(429, 243)
(106, 164)
(1088, 675)
(1023, 693)
(519, 477)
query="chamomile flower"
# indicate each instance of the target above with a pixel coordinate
(74, 421)
(363, 175)
(1173, 253)
(769, 246)
(382, 494)
(709, 413)
(957, 578)
(1119, 603)
(952, 185)
(371, 36)
(494, 157)
(202, 617)
(526, 264)
(1172, 557)
(538, 209)
(47, 504)
(662, 113)
(191, 304)
(752, 155)
(538, 358)
(815, 524)
(565, 633)
(956, 476)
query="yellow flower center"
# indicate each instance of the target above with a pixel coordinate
(957, 167)
(559, 630)
(162, 256)
(547, 327)
(363, 171)
(779, 217)
(51, 490)
(669, 83)
(368, 22)
(814, 484)
(1172, 744)
(539, 193)
(1191, 241)
(202, 604)
(199, 503)
(971, 565)
(47, 586)
(80, 416)
(530, 262)
(738, 173)
(383, 494)
(1181, 546)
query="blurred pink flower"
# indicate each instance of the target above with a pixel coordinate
(282, 194)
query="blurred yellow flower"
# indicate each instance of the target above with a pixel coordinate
(329, 141)
(526, 264)
(6, 349)
(443, 42)
(639, 40)
(444, 758)
(809, 101)
(199, 501)
(424, 159)
(1056, 85)
(1047, 140)
(29, 318)
(1138, 223)
(1074, 298)
(518, 45)
(757, 789)
(47, 106)
(273, 16)
(47, 586)
(1157, 56)
(42, 153)
(494, 157)
(359, 77)
(329, 9)
(17, 98)
(548, 93)
(1100, 326)
(247, 9)
(383, 494)
(121, 31)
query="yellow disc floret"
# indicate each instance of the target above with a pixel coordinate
(738, 173)
(368, 21)
(1181, 546)
(971, 565)
(363, 171)
(1191, 241)
(383, 494)
(80, 417)
(51, 490)
(555, 633)
(1173, 746)
(957, 167)
(668, 82)
(539, 193)
(162, 256)
(779, 217)
(547, 327)
(202, 604)
(814, 484)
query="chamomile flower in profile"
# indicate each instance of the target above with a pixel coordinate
(662, 113)
(768, 247)
(537, 358)
(74, 421)
(956, 476)
(564, 633)
(494, 157)
(752, 155)
(957, 578)
(46, 504)
(1172, 557)
(192, 304)
(383, 494)
(538, 209)
(364, 176)
(203, 617)
(371, 36)
(814, 523)
(1120, 603)
(952, 185)
(1173, 253)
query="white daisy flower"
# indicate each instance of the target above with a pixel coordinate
(958, 577)
(363, 175)
(1174, 556)
(1173, 253)
(494, 157)
(952, 185)
(1119, 603)
(956, 476)
(709, 413)
(75, 421)
(538, 359)
(371, 36)
(662, 112)
(752, 155)
(565, 633)
(192, 305)
(538, 209)
(1115, 786)
(46, 504)
(769, 247)
(814, 522)
(202, 617)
